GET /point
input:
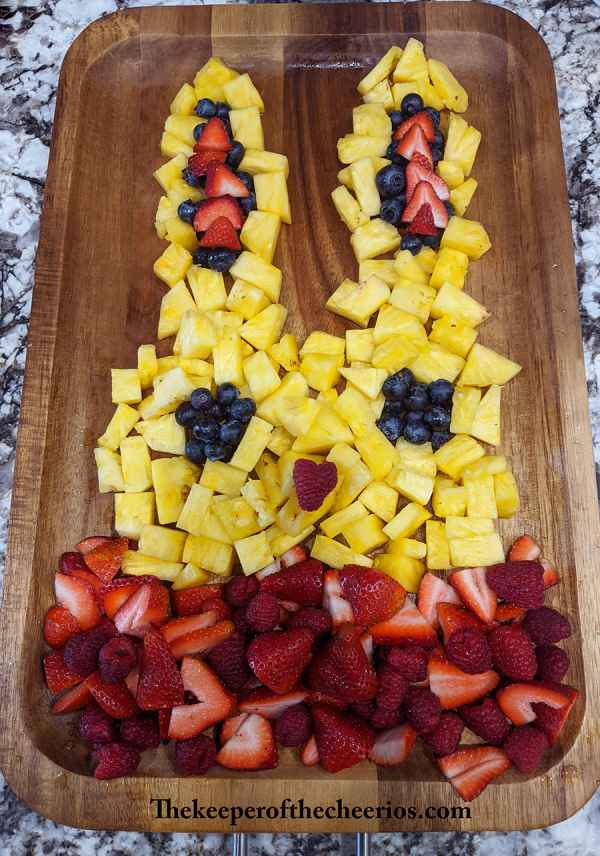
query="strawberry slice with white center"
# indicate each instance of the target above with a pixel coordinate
(414, 142)
(525, 549)
(201, 640)
(422, 223)
(200, 161)
(252, 746)
(551, 576)
(516, 700)
(230, 726)
(79, 598)
(453, 617)
(211, 209)
(424, 194)
(214, 702)
(180, 626)
(432, 591)
(471, 585)
(333, 601)
(73, 699)
(148, 605)
(393, 746)
(423, 120)
(271, 705)
(214, 136)
(221, 234)
(221, 181)
(454, 687)
(406, 627)
(470, 770)
(419, 169)
(293, 556)
(310, 754)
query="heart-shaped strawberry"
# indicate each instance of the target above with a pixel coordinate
(313, 482)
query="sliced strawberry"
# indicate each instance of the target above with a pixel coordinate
(78, 597)
(337, 606)
(221, 181)
(132, 681)
(470, 770)
(117, 591)
(551, 576)
(419, 169)
(406, 627)
(551, 720)
(221, 233)
(252, 746)
(433, 591)
(271, 705)
(414, 142)
(393, 746)
(160, 683)
(279, 657)
(453, 617)
(341, 669)
(59, 626)
(114, 699)
(105, 559)
(422, 223)
(368, 646)
(164, 720)
(214, 136)
(424, 194)
(214, 702)
(73, 699)
(516, 700)
(454, 687)
(230, 726)
(189, 601)
(200, 641)
(301, 583)
(475, 593)
(92, 580)
(199, 162)
(91, 543)
(310, 754)
(147, 606)
(343, 740)
(58, 676)
(422, 119)
(525, 549)
(272, 568)
(181, 626)
(318, 697)
(506, 612)
(293, 556)
(373, 596)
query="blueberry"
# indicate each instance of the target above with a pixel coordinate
(186, 415)
(396, 118)
(417, 398)
(227, 394)
(441, 392)
(247, 179)
(205, 429)
(437, 418)
(397, 385)
(194, 451)
(230, 432)
(201, 399)
(438, 140)
(434, 116)
(390, 426)
(437, 153)
(221, 260)
(449, 208)
(242, 409)
(200, 257)
(438, 438)
(414, 416)
(187, 211)
(391, 210)
(411, 104)
(235, 156)
(432, 241)
(222, 110)
(216, 451)
(198, 131)
(390, 180)
(416, 432)
(205, 108)
(393, 408)
(191, 179)
(248, 203)
(392, 154)
(412, 243)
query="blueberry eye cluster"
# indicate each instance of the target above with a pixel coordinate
(214, 425)
(418, 412)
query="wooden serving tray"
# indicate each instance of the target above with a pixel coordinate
(96, 300)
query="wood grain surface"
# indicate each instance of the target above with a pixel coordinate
(96, 300)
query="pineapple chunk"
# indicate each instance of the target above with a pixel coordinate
(173, 306)
(438, 550)
(255, 270)
(280, 441)
(123, 420)
(406, 267)
(434, 362)
(358, 301)
(453, 335)
(450, 266)
(241, 92)
(224, 478)
(164, 365)
(334, 524)
(448, 499)
(136, 465)
(412, 65)
(297, 413)
(451, 172)
(406, 570)
(371, 120)
(173, 264)
(426, 259)
(468, 236)
(252, 445)
(321, 370)
(348, 208)
(419, 459)
(461, 196)
(465, 402)
(225, 321)
(381, 268)
(381, 499)
(285, 352)
(137, 564)
(247, 127)
(182, 127)
(454, 302)
(133, 511)
(293, 385)
(353, 147)
(345, 174)
(162, 543)
(174, 388)
(485, 367)
(246, 299)
(481, 500)
(255, 495)
(182, 234)
(374, 239)
(395, 322)
(457, 127)
(506, 493)
(126, 387)
(210, 80)
(146, 364)
(323, 343)
(336, 555)
(172, 479)
(365, 534)
(447, 86)
(380, 94)
(272, 194)
(213, 556)
(468, 527)
(486, 424)
(227, 358)
(190, 576)
(164, 212)
(195, 509)
(208, 288)
(260, 233)
(237, 517)
(393, 354)
(110, 474)
(412, 485)
(413, 298)
(355, 409)
(180, 190)
(381, 70)
(210, 526)
(407, 547)
(407, 521)
(256, 161)
(344, 457)
(490, 465)
(197, 336)
(368, 381)
(260, 375)
(359, 345)
(461, 145)
(459, 452)
(254, 553)
(377, 452)
(353, 483)
(281, 542)
(170, 171)
(475, 552)
(185, 101)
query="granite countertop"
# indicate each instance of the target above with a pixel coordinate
(34, 37)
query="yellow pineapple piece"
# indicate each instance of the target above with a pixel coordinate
(180, 190)
(381, 268)
(462, 144)
(173, 264)
(426, 259)
(241, 92)
(334, 524)
(110, 474)
(465, 402)
(272, 194)
(374, 239)
(485, 367)
(454, 302)
(238, 518)
(377, 452)
(449, 499)
(506, 493)
(223, 478)
(353, 147)
(172, 479)
(247, 128)
(407, 267)
(133, 511)
(381, 70)
(368, 381)
(260, 233)
(420, 459)
(126, 387)
(208, 288)
(348, 208)
(255, 270)
(293, 520)
(136, 465)
(182, 127)
(354, 408)
(345, 174)
(121, 423)
(358, 301)
(170, 171)
(438, 549)
(210, 80)
(359, 345)
(381, 499)
(162, 543)
(190, 576)
(418, 87)
(256, 161)
(393, 354)
(406, 570)
(408, 520)
(407, 547)
(354, 481)
(146, 364)
(319, 342)
(255, 495)
(293, 385)
(225, 321)
(468, 527)
(252, 444)
(371, 120)
(321, 370)
(297, 413)
(180, 233)
(453, 335)
(412, 485)
(174, 388)
(137, 564)
(246, 299)
(461, 196)
(254, 553)
(280, 542)
(365, 534)
(185, 101)
(363, 182)
(211, 555)
(435, 362)
(344, 457)
(451, 172)
(459, 452)
(227, 358)
(265, 328)
(475, 552)
(175, 303)
(380, 94)
(414, 298)
(260, 375)
(468, 236)
(481, 501)
(486, 424)
(165, 212)
(194, 510)
(280, 441)
(412, 65)
(490, 465)
(285, 352)
(336, 555)
(164, 365)
(447, 86)
(392, 322)
(450, 266)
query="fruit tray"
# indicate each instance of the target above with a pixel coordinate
(95, 302)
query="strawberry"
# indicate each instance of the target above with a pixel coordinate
(422, 119)
(519, 583)
(552, 719)
(160, 683)
(59, 626)
(180, 626)
(373, 596)
(313, 482)
(221, 233)
(230, 726)
(342, 739)
(214, 136)
(105, 559)
(453, 617)
(414, 142)
(310, 754)
(474, 591)
(419, 169)
(470, 770)
(525, 746)
(164, 719)
(210, 209)
(132, 680)
(318, 697)
(113, 595)
(455, 687)
(214, 703)
(368, 646)
(199, 641)
(271, 568)
(424, 194)
(301, 583)
(58, 675)
(516, 700)
(393, 746)
(432, 591)
(147, 606)
(551, 576)
(91, 543)
(221, 181)
(189, 601)
(422, 223)
(200, 161)
(252, 746)
(92, 580)
(78, 597)
(114, 699)
(506, 613)
(70, 562)
(525, 549)
(406, 627)
(339, 608)
(265, 703)
(341, 668)
(278, 658)
(293, 556)
(73, 699)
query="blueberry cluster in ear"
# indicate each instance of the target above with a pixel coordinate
(418, 412)
(214, 425)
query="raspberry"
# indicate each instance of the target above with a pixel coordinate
(486, 720)
(117, 658)
(114, 760)
(294, 726)
(513, 652)
(313, 482)
(81, 650)
(70, 562)
(142, 731)
(553, 663)
(411, 662)
(384, 717)
(445, 737)
(423, 709)
(219, 606)
(240, 620)
(546, 625)
(519, 583)
(239, 590)
(262, 613)
(392, 687)
(468, 649)
(194, 757)
(525, 746)
(365, 709)
(228, 659)
(95, 726)
(313, 618)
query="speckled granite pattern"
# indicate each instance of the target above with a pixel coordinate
(34, 37)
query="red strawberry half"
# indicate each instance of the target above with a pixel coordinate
(221, 233)
(342, 739)
(189, 601)
(301, 583)
(221, 181)
(160, 683)
(405, 627)
(198, 163)
(373, 596)
(422, 223)
(454, 687)
(419, 169)
(271, 705)
(78, 597)
(58, 675)
(424, 194)
(474, 591)
(393, 746)
(251, 747)
(423, 120)
(336, 605)
(414, 142)
(278, 658)
(433, 591)
(453, 617)
(211, 209)
(214, 703)
(470, 770)
(214, 136)
(517, 700)
(59, 626)
(105, 559)
(342, 669)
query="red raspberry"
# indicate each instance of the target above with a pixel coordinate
(81, 650)
(384, 717)
(553, 663)
(445, 737)
(95, 726)
(313, 482)
(513, 652)
(294, 726)
(239, 590)
(240, 620)
(486, 720)
(546, 625)
(411, 662)
(228, 659)
(423, 709)
(216, 604)
(194, 757)
(525, 746)
(364, 709)
(262, 613)
(142, 731)
(468, 649)
(519, 583)
(116, 659)
(392, 687)
(313, 618)
(70, 562)
(114, 760)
